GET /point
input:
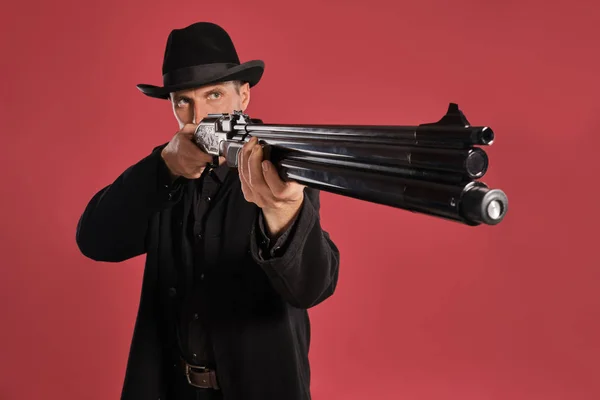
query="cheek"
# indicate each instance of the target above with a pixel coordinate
(226, 105)
(234, 104)
(184, 115)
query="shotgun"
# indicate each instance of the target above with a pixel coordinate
(431, 168)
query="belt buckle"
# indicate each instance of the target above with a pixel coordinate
(189, 368)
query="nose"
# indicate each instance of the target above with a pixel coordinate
(199, 114)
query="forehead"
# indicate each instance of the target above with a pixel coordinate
(202, 90)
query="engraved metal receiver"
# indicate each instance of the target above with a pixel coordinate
(214, 132)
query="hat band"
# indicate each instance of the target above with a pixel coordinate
(195, 73)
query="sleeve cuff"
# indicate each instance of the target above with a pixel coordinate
(170, 191)
(280, 252)
(268, 248)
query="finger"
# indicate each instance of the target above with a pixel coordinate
(192, 166)
(190, 148)
(190, 152)
(261, 191)
(256, 179)
(188, 130)
(240, 164)
(246, 190)
(194, 158)
(243, 162)
(276, 185)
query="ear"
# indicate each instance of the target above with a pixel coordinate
(245, 95)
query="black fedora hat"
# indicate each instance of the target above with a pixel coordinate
(201, 54)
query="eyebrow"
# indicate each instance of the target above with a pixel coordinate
(178, 97)
(204, 92)
(212, 89)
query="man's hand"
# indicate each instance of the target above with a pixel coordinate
(280, 201)
(183, 157)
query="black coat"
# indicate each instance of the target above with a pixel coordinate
(258, 307)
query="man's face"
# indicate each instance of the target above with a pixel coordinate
(192, 105)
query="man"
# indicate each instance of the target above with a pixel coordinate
(234, 257)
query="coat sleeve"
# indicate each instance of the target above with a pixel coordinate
(114, 224)
(304, 270)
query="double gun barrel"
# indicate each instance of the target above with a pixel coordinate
(431, 168)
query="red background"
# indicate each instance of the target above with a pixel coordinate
(425, 309)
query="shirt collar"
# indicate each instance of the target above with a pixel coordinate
(221, 172)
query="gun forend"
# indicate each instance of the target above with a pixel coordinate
(428, 168)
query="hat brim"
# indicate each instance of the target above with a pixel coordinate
(250, 71)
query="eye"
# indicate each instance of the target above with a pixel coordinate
(215, 95)
(182, 102)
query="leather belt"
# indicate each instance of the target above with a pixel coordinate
(199, 377)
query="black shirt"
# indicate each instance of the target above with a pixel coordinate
(193, 329)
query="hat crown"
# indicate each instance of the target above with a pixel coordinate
(198, 44)
(201, 54)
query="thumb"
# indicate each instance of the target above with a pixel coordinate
(188, 130)
(273, 180)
